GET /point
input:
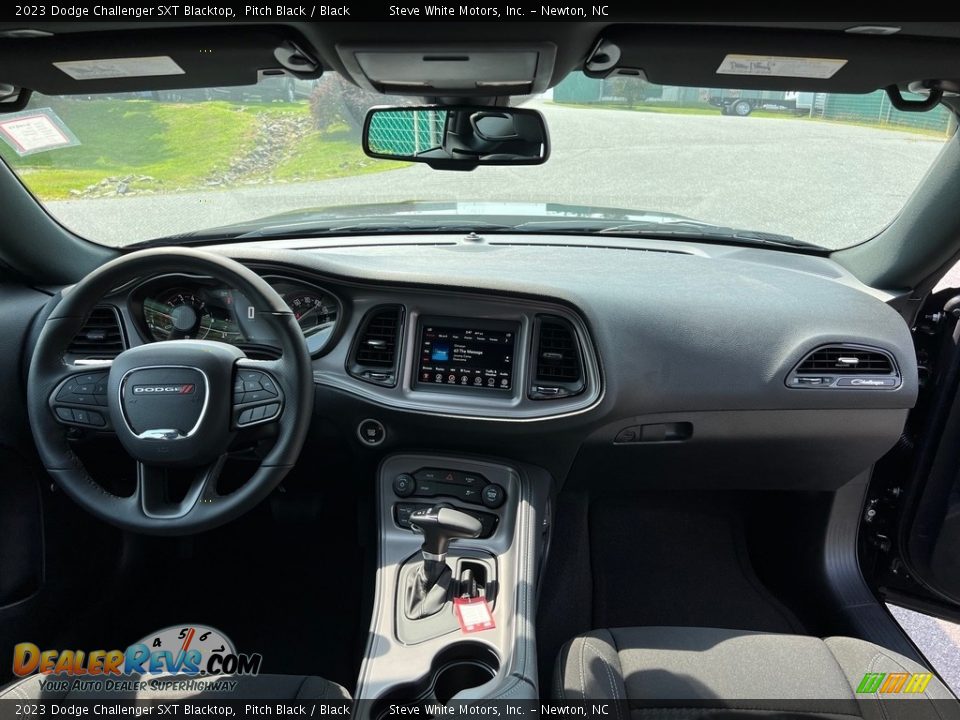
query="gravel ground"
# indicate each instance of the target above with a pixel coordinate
(938, 640)
(822, 182)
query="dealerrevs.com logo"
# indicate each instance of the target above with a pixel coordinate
(184, 389)
(181, 650)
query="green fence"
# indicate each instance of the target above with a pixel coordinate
(875, 109)
(578, 88)
(869, 109)
(406, 132)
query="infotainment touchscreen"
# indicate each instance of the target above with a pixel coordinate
(466, 354)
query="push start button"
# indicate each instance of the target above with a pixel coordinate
(371, 432)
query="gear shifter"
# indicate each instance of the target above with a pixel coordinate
(440, 525)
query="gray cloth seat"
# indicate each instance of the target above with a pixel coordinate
(687, 672)
(248, 687)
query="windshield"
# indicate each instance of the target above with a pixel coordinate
(826, 169)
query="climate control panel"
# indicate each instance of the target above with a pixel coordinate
(471, 488)
(440, 484)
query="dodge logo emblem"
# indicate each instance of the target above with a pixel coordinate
(184, 389)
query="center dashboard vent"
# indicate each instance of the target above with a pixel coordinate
(101, 336)
(376, 350)
(846, 366)
(557, 360)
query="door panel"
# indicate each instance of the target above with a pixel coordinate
(910, 536)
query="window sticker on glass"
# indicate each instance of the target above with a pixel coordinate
(33, 131)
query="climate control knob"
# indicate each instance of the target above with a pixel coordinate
(493, 495)
(404, 485)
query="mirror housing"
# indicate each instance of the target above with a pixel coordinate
(456, 137)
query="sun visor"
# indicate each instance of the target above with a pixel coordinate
(451, 70)
(92, 63)
(837, 62)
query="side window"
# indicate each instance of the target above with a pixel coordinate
(950, 280)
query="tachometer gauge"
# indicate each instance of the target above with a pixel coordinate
(314, 311)
(177, 315)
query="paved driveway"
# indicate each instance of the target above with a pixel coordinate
(823, 182)
(938, 640)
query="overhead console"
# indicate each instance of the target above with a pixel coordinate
(451, 70)
(468, 356)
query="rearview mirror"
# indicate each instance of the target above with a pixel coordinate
(456, 137)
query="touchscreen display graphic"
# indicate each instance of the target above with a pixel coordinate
(467, 356)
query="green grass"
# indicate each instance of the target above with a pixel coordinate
(179, 145)
(329, 155)
(176, 144)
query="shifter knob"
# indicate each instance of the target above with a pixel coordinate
(440, 524)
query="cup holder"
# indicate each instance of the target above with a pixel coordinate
(456, 668)
(461, 675)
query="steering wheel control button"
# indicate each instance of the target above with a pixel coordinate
(404, 485)
(78, 416)
(268, 387)
(86, 389)
(271, 410)
(493, 495)
(255, 397)
(371, 432)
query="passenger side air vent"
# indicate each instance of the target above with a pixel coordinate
(846, 366)
(846, 361)
(376, 349)
(101, 336)
(557, 362)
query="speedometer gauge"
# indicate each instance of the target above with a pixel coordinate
(313, 311)
(177, 315)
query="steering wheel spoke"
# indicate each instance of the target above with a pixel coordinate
(80, 397)
(257, 394)
(158, 498)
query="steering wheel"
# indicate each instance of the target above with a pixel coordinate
(175, 405)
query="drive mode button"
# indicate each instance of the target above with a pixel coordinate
(430, 474)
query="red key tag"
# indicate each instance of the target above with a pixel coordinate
(473, 614)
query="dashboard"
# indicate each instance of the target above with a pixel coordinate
(675, 360)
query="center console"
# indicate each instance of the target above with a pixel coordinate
(454, 527)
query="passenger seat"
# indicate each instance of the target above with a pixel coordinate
(692, 672)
